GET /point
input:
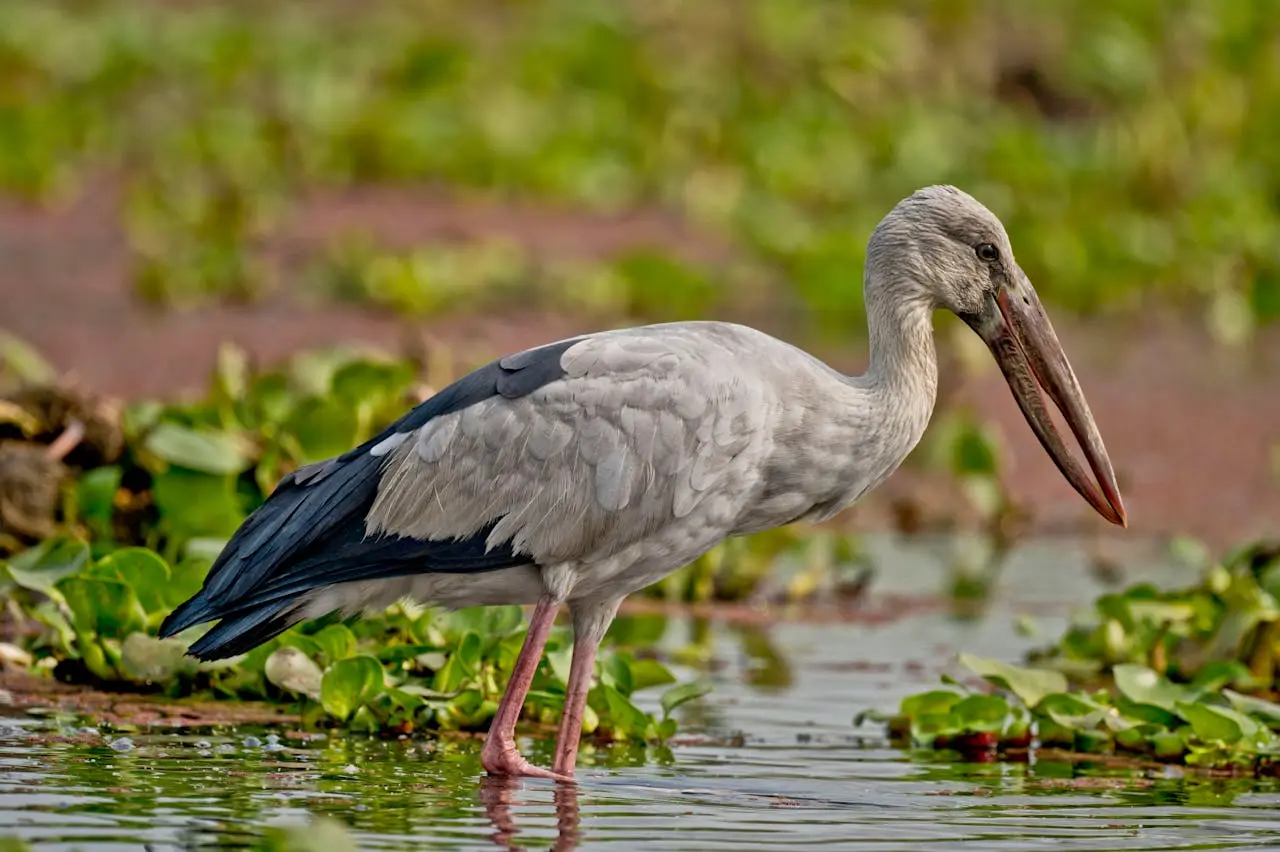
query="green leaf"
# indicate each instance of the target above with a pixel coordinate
(96, 493)
(1258, 708)
(201, 450)
(292, 670)
(197, 504)
(468, 653)
(185, 579)
(40, 568)
(323, 428)
(350, 684)
(1031, 685)
(1143, 685)
(375, 382)
(625, 718)
(647, 673)
(682, 694)
(1217, 724)
(107, 608)
(980, 712)
(615, 670)
(501, 621)
(336, 642)
(144, 571)
(1219, 673)
(932, 702)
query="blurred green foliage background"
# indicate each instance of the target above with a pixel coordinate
(1129, 146)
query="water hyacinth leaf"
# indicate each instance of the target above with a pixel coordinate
(323, 428)
(646, 674)
(935, 701)
(1143, 685)
(194, 504)
(42, 567)
(1148, 713)
(185, 579)
(1217, 724)
(293, 671)
(1031, 685)
(202, 450)
(144, 571)
(95, 494)
(682, 694)
(625, 718)
(980, 712)
(616, 672)
(1219, 673)
(147, 659)
(335, 641)
(107, 608)
(449, 677)
(350, 684)
(468, 653)
(1266, 711)
(372, 382)
(501, 621)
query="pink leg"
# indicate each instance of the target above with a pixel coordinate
(499, 755)
(590, 621)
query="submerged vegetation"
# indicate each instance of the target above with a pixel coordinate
(785, 128)
(1187, 675)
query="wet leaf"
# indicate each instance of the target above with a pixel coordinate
(350, 684)
(1031, 685)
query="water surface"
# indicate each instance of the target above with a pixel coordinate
(769, 760)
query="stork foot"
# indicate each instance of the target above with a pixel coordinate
(502, 760)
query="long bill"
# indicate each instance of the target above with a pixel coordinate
(1017, 330)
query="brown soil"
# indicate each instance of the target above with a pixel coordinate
(24, 692)
(1192, 429)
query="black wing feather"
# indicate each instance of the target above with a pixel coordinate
(310, 532)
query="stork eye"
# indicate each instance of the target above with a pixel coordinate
(988, 252)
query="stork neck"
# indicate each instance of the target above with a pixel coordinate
(902, 353)
(903, 369)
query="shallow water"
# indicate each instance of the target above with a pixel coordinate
(778, 762)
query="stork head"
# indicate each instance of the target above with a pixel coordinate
(956, 254)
